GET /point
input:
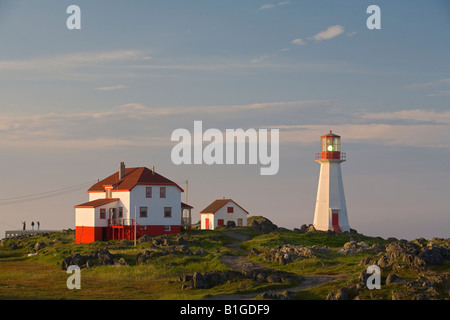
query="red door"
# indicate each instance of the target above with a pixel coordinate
(335, 222)
(206, 223)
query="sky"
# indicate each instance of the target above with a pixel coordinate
(76, 103)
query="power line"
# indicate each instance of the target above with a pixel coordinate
(44, 195)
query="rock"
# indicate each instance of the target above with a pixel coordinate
(432, 256)
(104, 257)
(199, 282)
(200, 252)
(391, 278)
(341, 294)
(289, 252)
(76, 259)
(365, 261)
(39, 245)
(211, 279)
(254, 252)
(180, 240)
(264, 225)
(353, 247)
(183, 249)
(141, 259)
(311, 228)
(121, 262)
(285, 295)
(231, 224)
(144, 238)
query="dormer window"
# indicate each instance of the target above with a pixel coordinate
(108, 191)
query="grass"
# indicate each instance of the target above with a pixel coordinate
(40, 276)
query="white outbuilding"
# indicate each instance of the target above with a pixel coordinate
(220, 212)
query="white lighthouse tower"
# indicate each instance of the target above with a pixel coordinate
(331, 210)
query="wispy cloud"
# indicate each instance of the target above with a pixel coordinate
(412, 128)
(298, 41)
(441, 87)
(71, 60)
(111, 88)
(271, 6)
(330, 33)
(126, 125)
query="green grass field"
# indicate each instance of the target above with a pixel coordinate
(40, 276)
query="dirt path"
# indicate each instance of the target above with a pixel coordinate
(242, 263)
(307, 282)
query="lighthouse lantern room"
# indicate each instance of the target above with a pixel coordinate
(331, 210)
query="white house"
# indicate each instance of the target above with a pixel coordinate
(220, 212)
(132, 198)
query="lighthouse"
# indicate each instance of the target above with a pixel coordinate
(331, 211)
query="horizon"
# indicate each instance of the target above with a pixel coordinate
(76, 103)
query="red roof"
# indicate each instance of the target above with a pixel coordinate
(96, 203)
(216, 205)
(331, 134)
(132, 178)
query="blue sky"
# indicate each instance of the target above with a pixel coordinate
(75, 103)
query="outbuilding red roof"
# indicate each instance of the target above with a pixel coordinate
(216, 205)
(132, 178)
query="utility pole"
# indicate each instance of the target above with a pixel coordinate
(135, 223)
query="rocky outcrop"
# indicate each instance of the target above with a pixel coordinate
(210, 279)
(284, 295)
(404, 254)
(99, 257)
(340, 294)
(353, 247)
(288, 252)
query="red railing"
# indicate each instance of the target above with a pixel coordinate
(124, 229)
(343, 157)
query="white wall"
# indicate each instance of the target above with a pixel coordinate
(155, 205)
(330, 195)
(203, 218)
(85, 217)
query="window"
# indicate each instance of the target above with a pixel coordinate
(167, 212)
(120, 212)
(143, 212)
(220, 222)
(148, 192)
(230, 209)
(240, 222)
(162, 192)
(108, 193)
(166, 228)
(102, 213)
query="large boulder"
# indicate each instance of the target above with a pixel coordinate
(199, 282)
(263, 225)
(104, 257)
